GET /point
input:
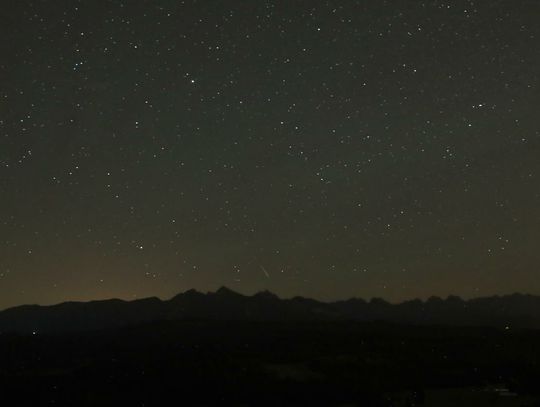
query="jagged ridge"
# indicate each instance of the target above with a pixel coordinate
(508, 312)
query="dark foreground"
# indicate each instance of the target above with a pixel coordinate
(271, 363)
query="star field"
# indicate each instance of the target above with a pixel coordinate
(318, 148)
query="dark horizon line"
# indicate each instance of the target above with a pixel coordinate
(224, 288)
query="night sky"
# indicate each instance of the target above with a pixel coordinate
(319, 148)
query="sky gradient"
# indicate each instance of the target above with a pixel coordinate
(320, 148)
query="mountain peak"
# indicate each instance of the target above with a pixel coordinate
(225, 291)
(191, 293)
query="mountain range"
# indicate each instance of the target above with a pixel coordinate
(505, 312)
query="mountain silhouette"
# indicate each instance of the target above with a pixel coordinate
(505, 312)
